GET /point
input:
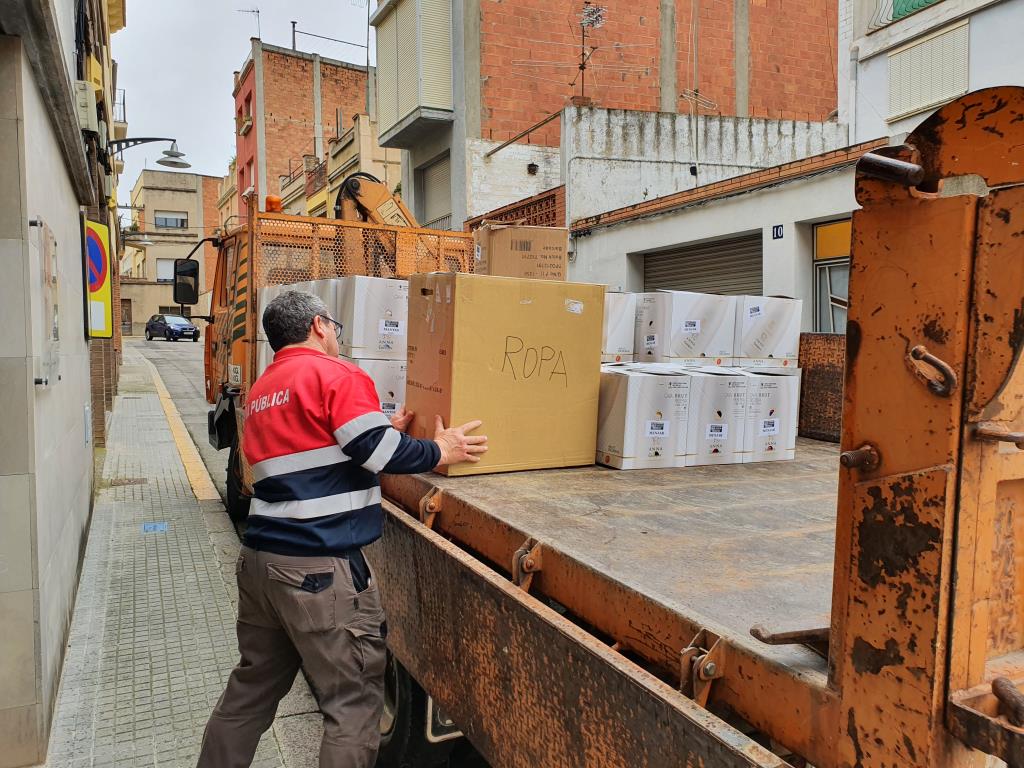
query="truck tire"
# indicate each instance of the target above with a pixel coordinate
(403, 739)
(237, 502)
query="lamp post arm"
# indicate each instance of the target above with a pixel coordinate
(113, 147)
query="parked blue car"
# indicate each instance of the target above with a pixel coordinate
(171, 328)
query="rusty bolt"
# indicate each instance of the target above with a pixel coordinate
(709, 669)
(431, 506)
(866, 457)
(529, 564)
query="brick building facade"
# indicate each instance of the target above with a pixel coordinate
(287, 105)
(514, 64)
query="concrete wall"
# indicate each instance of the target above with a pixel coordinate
(46, 456)
(146, 297)
(613, 158)
(503, 178)
(611, 255)
(993, 58)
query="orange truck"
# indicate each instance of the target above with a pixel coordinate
(861, 606)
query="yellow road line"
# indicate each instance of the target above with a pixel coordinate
(195, 470)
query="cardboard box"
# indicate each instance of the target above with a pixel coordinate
(648, 331)
(692, 329)
(389, 379)
(619, 327)
(641, 417)
(521, 355)
(767, 331)
(512, 250)
(716, 416)
(374, 312)
(773, 408)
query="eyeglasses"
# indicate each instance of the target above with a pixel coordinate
(337, 326)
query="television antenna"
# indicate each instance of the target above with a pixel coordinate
(590, 18)
(254, 11)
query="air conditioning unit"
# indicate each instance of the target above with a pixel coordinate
(85, 105)
(102, 127)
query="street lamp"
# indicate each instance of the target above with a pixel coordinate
(172, 157)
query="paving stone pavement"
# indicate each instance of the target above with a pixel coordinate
(152, 636)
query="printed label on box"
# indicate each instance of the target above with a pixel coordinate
(769, 426)
(754, 311)
(650, 341)
(389, 409)
(576, 307)
(691, 326)
(657, 429)
(717, 432)
(389, 327)
(477, 251)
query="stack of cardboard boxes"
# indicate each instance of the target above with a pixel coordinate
(730, 364)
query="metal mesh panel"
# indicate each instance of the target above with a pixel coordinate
(290, 249)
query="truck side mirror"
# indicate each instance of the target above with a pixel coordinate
(186, 281)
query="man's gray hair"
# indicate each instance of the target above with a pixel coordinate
(289, 318)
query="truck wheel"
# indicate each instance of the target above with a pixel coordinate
(403, 728)
(237, 502)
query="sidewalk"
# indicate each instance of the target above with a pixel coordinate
(152, 636)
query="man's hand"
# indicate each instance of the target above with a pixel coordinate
(456, 446)
(402, 419)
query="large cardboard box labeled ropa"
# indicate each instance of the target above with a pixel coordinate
(773, 408)
(388, 378)
(521, 355)
(642, 417)
(374, 314)
(716, 416)
(515, 250)
(619, 327)
(767, 331)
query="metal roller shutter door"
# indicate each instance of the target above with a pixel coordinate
(732, 266)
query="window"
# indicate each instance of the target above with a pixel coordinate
(928, 72)
(831, 276)
(171, 219)
(174, 311)
(165, 270)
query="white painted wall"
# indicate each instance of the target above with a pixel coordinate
(613, 157)
(611, 255)
(502, 178)
(45, 456)
(994, 42)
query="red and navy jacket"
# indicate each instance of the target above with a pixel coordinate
(316, 440)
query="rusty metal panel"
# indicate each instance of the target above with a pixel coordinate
(528, 687)
(897, 614)
(823, 360)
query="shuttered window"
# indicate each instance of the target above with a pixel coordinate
(732, 266)
(436, 189)
(387, 70)
(414, 59)
(928, 72)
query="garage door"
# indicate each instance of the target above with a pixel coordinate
(731, 266)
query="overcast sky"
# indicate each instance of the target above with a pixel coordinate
(175, 62)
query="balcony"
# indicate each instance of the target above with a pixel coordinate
(120, 116)
(245, 125)
(441, 222)
(414, 70)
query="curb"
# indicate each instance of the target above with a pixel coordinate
(198, 476)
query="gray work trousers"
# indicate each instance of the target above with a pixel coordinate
(302, 611)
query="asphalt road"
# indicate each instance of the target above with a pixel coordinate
(180, 364)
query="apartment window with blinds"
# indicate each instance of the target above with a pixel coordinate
(832, 276)
(171, 220)
(165, 270)
(435, 193)
(929, 72)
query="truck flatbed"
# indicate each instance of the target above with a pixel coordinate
(726, 546)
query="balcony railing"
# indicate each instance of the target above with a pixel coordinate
(441, 222)
(119, 112)
(316, 178)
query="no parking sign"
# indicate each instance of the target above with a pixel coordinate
(98, 269)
